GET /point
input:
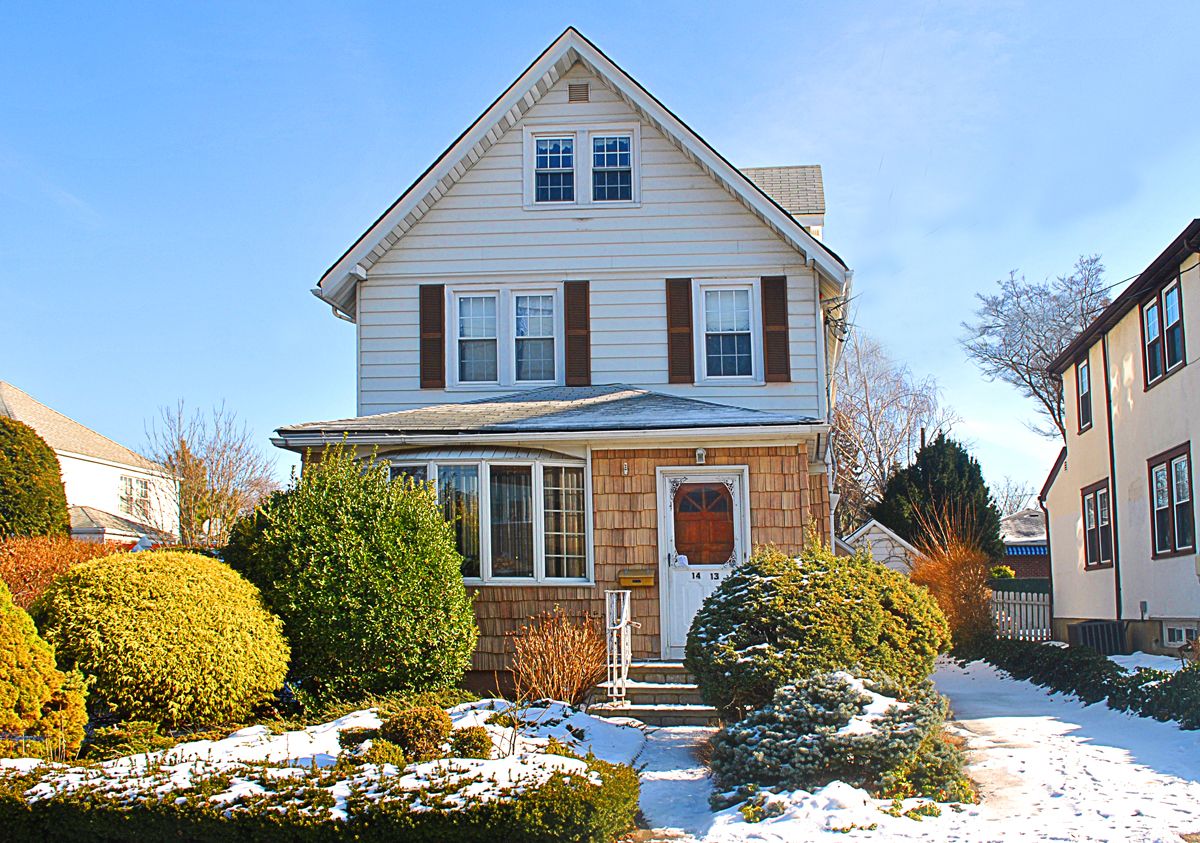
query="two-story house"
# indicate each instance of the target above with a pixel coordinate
(1121, 517)
(113, 493)
(608, 348)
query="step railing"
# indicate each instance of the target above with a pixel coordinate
(618, 639)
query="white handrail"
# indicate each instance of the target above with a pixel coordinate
(618, 642)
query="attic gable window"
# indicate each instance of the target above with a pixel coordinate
(612, 168)
(554, 176)
(581, 164)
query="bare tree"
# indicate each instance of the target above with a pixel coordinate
(879, 415)
(1019, 331)
(1012, 495)
(223, 473)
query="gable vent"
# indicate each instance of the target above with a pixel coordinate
(577, 92)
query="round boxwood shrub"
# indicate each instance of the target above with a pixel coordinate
(41, 708)
(837, 727)
(365, 574)
(471, 742)
(420, 732)
(32, 499)
(776, 619)
(173, 638)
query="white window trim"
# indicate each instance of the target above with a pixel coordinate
(506, 336)
(1184, 628)
(699, 286)
(582, 133)
(539, 577)
(1168, 367)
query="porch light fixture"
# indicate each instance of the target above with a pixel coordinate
(700, 456)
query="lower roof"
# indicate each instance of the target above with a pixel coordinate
(89, 519)
(610, 407)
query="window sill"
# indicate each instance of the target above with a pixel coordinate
(1084, 430)
(579, 206)
(1101, 566)
(1149, 386)
(494, 385)
(730, 381)
(1174, 554)
(528, 583)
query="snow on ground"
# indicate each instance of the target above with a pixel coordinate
(1136, 660)
(1048, 768)
(254, 757)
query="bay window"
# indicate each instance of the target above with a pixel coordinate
(1172, 519)
(514, 521)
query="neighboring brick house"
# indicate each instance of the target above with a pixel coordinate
(609, 349)
(1026, 546)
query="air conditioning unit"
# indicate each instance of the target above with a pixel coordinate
(1105, 637)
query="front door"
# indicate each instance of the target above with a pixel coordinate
(702, 534)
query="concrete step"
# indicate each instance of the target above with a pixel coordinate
(660, 715)
(660, 672)
(659, 693)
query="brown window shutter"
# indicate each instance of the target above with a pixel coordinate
(680, 349)
(578, 320)
(776, 357)
(433, 336)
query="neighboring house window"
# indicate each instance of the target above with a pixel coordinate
(477, 359)
(534, 337)
(135, 497)
(1083, 380)
(512, 521)
(1097, 525)
(1172, 518)
(554, 169)
(728, 332)
(612, 168)
(1177, 635)
(1162, 334)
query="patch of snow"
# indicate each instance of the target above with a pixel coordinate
(865, 722)
(1134, 661)
(617, 742)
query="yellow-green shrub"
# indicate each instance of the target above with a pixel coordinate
(420, 732)
(173, 638)
(38, 702)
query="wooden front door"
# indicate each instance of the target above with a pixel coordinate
(703, 533)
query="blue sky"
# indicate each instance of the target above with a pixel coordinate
(174, 178)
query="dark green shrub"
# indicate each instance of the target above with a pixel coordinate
(1080, 671)
(776, 619)
(365, 575)
(832, 726)
(41, 709)
(471, 742)
(32, 499)
(420, 732)
(132, 737)
(384, 752)
(352, 739)
(172, 638)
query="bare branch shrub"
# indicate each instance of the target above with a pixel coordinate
(954, 567)
(559, 657)
(223, 471)
(29, 564)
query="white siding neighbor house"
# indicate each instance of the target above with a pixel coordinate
(113, 493)
(607, 346)
(1121, 509)
(885, 546)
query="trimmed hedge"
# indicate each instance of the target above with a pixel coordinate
(1091, 677)
(776, 619)
(32, 499)
(365, 575)
(28, 564)
(565, 808)
(41, 709)
(176, 639)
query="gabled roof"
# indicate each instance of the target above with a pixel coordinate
(88, 519)
(875, 526)
(1158, 272)
(337, 284)
(65, 434)
(798, 189)
(583, 409)
(1025, 527)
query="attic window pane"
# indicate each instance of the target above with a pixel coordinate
(554, 170)
(612, 169)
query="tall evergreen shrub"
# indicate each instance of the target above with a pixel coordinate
(32, 499)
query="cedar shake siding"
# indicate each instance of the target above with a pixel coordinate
(784, 502)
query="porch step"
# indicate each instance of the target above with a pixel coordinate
(660, 715)
(659, 693)
(661, 672)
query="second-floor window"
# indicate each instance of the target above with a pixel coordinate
(1083, 380)
(134, 499)
(1097, 525)
(728, 339)
(1162, 334)
(1172, 517)
(506, 337)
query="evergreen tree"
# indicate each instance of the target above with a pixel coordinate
(943, 485)
(32, 500)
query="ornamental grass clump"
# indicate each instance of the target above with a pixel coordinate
(952, 564)
(775, 620)
(176, 639)
(869, 733)
(558, 657)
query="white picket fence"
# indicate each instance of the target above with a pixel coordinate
(1021, 615)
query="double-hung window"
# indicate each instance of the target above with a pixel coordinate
(134, 499)
(728, 332)
(506, 337)
(534, 336)
(554, 169)
(1097, 525)
(516, 522)
(1172, 516)
(1083, 382)
(612, 168)
(477, 339)
(1162, 334)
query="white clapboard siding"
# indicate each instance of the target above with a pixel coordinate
(686, 226)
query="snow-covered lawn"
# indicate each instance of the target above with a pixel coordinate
(1048, 768)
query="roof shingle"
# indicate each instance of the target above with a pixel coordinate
(799, 189)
